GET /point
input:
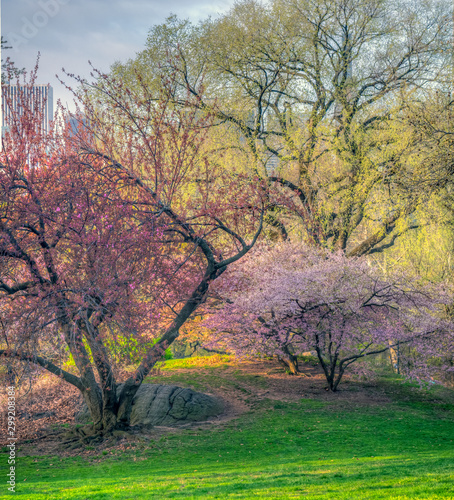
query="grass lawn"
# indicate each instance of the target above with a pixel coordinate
(304, 448)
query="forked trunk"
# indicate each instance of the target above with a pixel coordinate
(329, 369)
(110, 413)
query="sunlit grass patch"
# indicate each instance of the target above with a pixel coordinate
(308, 448)
(216, 360)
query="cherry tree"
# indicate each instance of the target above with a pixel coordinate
(120, 227)
(291, 298)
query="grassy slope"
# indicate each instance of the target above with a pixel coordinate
(303, 449)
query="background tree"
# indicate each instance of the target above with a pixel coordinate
(291, 299)
(99, 235)
(311, 89)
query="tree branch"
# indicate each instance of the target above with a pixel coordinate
(45, 363)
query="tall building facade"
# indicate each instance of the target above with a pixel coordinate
(39, 97)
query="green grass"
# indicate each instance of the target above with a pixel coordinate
(196, 362)
(305, 449)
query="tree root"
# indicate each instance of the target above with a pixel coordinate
(80, 437)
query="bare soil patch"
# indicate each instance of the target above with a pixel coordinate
(310, 384)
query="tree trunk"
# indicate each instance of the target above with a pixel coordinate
(108, 414)
(328, 370)
(290, 361)
(394, 357)
(93, 399)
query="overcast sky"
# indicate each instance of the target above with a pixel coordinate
(69, 33)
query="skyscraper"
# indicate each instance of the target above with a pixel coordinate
(39, 98)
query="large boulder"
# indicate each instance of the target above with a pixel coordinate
(166, 405)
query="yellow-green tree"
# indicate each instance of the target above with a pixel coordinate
(312, 89)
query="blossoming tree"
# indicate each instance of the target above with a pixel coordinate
(120, 226)
(291, 299)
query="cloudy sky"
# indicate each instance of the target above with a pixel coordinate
(69, 33)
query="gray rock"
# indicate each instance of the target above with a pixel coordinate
(166, 405)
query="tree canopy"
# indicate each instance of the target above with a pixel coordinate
(313, 90)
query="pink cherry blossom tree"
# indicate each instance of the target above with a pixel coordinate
(291, 298)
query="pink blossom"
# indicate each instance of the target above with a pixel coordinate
(292, 298)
